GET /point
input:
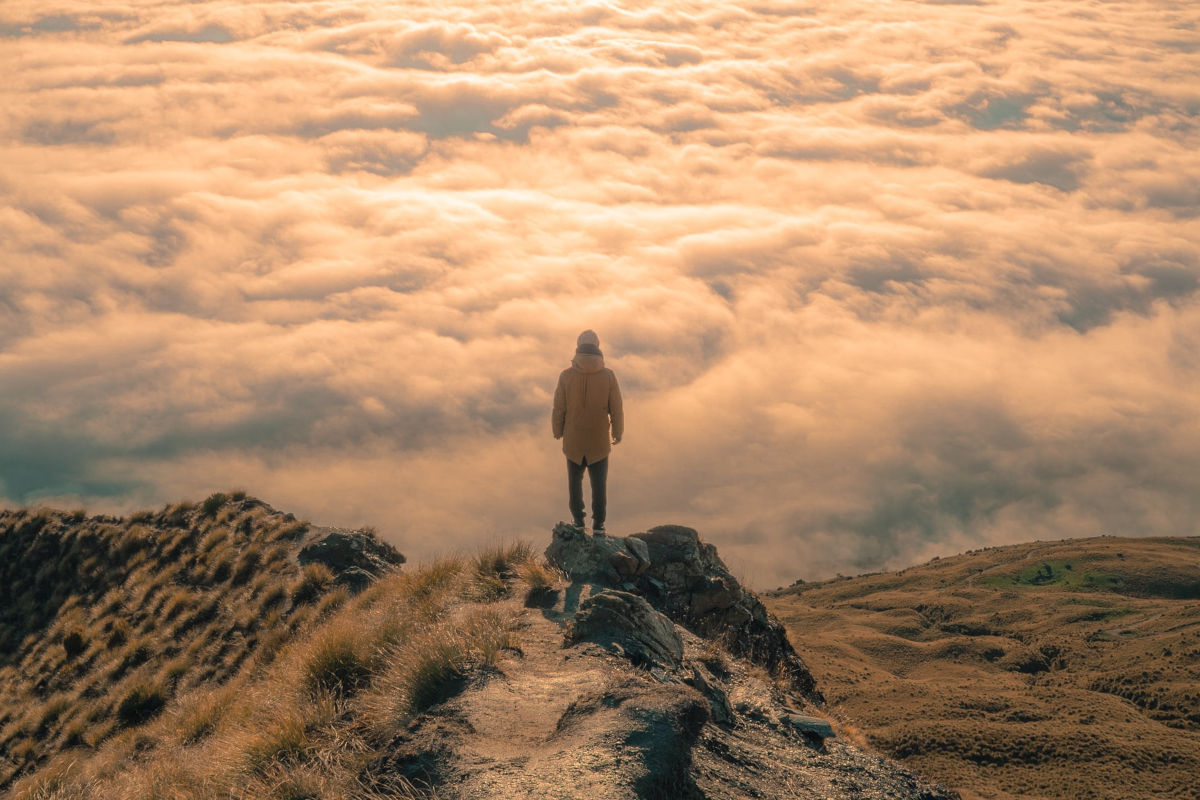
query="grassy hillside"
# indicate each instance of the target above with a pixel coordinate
(1050, 670)
(314, 720)
(103, 621)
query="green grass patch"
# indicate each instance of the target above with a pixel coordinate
(1061, 574)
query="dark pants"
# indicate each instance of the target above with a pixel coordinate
(598, 476)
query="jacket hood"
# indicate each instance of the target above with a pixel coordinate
(588, 363)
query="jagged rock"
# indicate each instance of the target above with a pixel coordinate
(718, 700)
(352, 553)
(640, 551)
(355, 579)
(625, 623)
(685, 579)
(624, 563)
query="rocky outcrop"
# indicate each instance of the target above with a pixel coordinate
(685, 579)
(354, 557)
(689, 582)
(626, 624)
(684, 722)
(607, 560)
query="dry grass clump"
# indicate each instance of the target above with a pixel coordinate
(181, 600)
(313, 581)
(339, 661)
(287, 739)
(216, 541)
(537, 575)
(290, 531)
(539, 580)
(199, 713)
(714, 655)
(311, 721)
(144, 701)
(118, 631)
(272, 596)
(247, 565)
(174, 670)
(332, 600)
(494, 568)
(432, 664)
(490, 574)
(213, 503)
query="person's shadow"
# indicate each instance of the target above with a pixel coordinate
(570, 604)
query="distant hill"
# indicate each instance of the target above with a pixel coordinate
(1048, 670)
(104, 620)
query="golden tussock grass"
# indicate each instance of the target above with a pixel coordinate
(197, 715)
(309, 714)
(313, 581)
(116, 616)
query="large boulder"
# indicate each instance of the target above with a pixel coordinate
(607, 560)
(354, 557)
(626, 624)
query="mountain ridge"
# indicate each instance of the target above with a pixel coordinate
(104, 619)
(494, 674)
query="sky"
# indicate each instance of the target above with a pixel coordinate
(881, 280)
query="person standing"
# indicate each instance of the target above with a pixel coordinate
(587, 411)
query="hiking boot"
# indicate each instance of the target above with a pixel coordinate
(598, 530)
(578, 526)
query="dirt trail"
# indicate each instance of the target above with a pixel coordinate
(514, 717)
(1122, 630)
(575, 722)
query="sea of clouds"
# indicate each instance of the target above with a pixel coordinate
(881, 279)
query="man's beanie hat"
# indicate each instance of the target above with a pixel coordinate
(588, 342)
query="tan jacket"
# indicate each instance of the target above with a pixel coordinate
(586, 398)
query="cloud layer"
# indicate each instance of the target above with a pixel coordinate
(881, 280)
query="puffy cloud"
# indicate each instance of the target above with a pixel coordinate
(881, 280)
